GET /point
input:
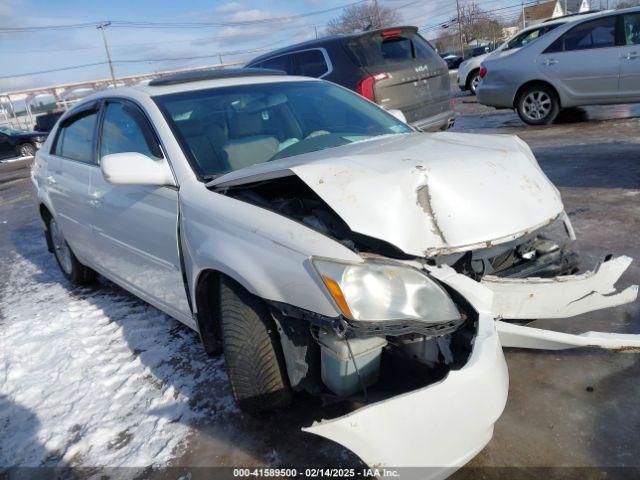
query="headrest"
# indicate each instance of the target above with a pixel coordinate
(190, 128)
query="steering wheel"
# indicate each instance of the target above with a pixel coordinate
(317, 133)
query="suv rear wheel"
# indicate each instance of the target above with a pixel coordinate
(538, 105)
(75, 272)
(252, 351)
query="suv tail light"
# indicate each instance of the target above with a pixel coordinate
(483, 72)
(365, 86)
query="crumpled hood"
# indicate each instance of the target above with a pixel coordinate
(425, 193)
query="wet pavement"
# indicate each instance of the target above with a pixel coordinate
(576, 408)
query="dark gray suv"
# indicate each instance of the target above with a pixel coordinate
(393, 67)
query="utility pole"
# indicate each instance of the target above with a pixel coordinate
(524, 22)
(315, 27)
(220, 57)
(376, 9)
(460, 29)
(103, 26)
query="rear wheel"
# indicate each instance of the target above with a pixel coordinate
(473, 81)
(538, 105)
(75, 272)
(252, 351)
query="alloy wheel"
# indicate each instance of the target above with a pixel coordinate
(537, 105)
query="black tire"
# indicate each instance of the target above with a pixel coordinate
(252, 350)
(71, 268)
(472, 81)
(538, 105)
(26, 150)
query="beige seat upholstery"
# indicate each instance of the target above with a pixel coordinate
(248, 144)
(205, 141)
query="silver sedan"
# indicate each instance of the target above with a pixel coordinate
(591, 61)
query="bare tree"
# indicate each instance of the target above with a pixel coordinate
(363, 16)
(478, 24)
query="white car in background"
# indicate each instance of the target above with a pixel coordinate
(469, 70)
(327, 247)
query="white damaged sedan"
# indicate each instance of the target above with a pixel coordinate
(325, 246)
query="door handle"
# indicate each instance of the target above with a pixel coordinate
(550, 61)
(51, 180)
(631, 55)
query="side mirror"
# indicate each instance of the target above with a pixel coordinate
(398, 114)
(132, 168)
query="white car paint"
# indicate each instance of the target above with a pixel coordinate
(427, 194)
(514, 196)
(560, 297)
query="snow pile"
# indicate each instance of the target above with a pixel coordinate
(94, 376)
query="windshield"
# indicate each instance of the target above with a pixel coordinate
(228, 128)
(528, 37)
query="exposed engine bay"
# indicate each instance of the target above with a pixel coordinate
(342, 358)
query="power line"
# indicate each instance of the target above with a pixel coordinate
(166, 25)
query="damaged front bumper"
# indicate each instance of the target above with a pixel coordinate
(438, 428)
(562, 296)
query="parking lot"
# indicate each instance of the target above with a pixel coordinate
(106, 380)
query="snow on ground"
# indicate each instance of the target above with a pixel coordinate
(94, 376)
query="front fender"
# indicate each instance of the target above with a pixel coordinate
(265, 252)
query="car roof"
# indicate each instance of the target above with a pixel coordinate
(324, 42)
(149, 90)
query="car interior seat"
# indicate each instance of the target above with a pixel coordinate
(247, 143)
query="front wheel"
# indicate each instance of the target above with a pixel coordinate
(538, 105)
(26, 150)
(252, 351)
(75, 272)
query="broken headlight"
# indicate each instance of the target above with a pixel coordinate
(375, 291)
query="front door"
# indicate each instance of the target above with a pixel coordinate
(135, 226)
(584, 62)
(630, 58)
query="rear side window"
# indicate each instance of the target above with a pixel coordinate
(283, 62)
(378, 49)
(599, 33)
(75, 140)
(124, 129)
(311, 63)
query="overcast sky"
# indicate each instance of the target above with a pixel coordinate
(28, 52)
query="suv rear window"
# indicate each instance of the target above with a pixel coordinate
(377, 49)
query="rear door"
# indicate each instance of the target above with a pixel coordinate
(404, 70)
(630, 58)
(585, 61)
(69, 170)
(135, 226)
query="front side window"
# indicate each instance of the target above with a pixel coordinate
(124, 129)
(632, 29)
(311, 63)
(599, 33)
(234, 127)
(75, 140)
